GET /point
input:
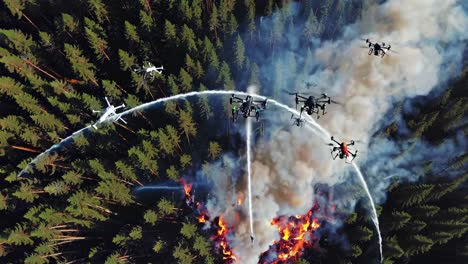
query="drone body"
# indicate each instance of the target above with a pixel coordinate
(377, 49)
(149, 70)
(246, 106)
(343, 152)
(109, 114)
(311, 104)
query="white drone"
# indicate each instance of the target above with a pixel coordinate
(149, 69)
(109, 114)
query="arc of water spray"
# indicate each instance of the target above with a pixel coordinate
(375, 218)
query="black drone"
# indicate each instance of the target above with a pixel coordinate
(376, 48)
(312, 104)
(245, 106)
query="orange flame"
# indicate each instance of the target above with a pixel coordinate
(295, 233)
(187, 187)
(222, 234)
(240, 198)
(202, 219)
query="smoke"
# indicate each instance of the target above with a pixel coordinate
(429, 36)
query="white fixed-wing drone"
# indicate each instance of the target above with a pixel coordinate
(149, 69)
(109, 114)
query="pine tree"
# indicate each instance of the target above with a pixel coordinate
(188, 39)
(311, 28)
(3, 202)
(391, 248)
(399, 220)
(185, 161)
(131, 32)
(224, 77)
(250, 5)
(214, 22)
(196, 8)
(170, 32)
(239, 51)
(424, 211)
(209, 54)
(57, 188)
(16, 8)
(151, 217)
(80, 64)
(146, 20)
(166, 207)
(18, 41)
(417, 244)
(99, 10)
(202, 246)
(413, 194)
(158, 246)
(188, 230)
(214, 150)
(18, 236)
(96, 38)
(182, 254)
(27, 193)
(186, 123)
(172, 173)
(185, 80)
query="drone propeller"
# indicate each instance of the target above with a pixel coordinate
(335, 102)
(366, 39)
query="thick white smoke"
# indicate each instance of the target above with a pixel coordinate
(429, 36)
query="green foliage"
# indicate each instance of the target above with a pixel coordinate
(182, 254)
(126, 60)
(214, 150)
(69, 24)
(399, 219)
(98, 9)
(150, 217)
(3, 202)
(202, 246)
(356, 251)
(80, 64)
(166, 207)
(172, 173)
(136, 233)
(18, 236)
(170, 32)
(158, 246)
(188, 230)
(239, 52)
(131, 32)
(391, 248)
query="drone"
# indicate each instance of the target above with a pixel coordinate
(245, 106)
(149, 69)
(343, 150)
(377, 49)
(298, 121)
(313, 104)
(109, 114)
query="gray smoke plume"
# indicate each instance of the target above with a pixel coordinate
(430, 37)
